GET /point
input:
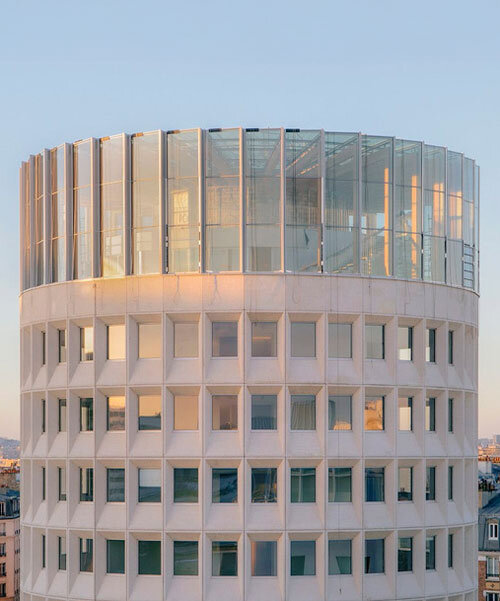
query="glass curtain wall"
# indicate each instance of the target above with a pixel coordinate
(183, 202)
(82, 210)
(26, 225)
(112, 206)
(58, 214)
(303, 201)
(222, 200)
(145, 149)
(455, 218)
(468, 225)
(341, 203)
(39, 221)
(263, 199)
(434, 214)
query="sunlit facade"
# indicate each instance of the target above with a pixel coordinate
(249, 368)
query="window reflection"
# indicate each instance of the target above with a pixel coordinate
(58, 214)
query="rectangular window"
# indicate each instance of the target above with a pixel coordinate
(149, 411)
(430, 483)
(374, 556)
(303, 485)
(224, 485)
(185, 339)
(374, 413)
(339, 484)
(44, 348)
(492, 570)
(375, 341)
(405, 484)
(86, 414)
(375, 484)
(450, 483)
(61, 479)
(405, 414)
(43, 411)
(115, 342)
(61, 340)
(405, 343)
(149, 485)
(44, 551)
(339, 557)
(87, 343)
(430, 553)
(86, 555)
(264, 338)
(493, 530)
(115, 413)
(185, 558)
(430, 345)
(303, 414)
(224, 412)
(3, 569)
(430, 414)
(86, 484)
(303, 338)
(149, 340)
(264, 485)
(450, 550)
(264, 412)
(264, 557)
(3, 589)
(185, 485)
(224, 339)
(61, 553)
(61, 421)
(44, 484)
(450, 347)
(115, 556)
(339, 340)
(450, 415)
(339, 412)
(405, 554)
(224, 558)
(115, 485)
(149, 557)
(185, 412)
(303, 558)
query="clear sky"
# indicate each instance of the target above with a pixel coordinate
(426, 70)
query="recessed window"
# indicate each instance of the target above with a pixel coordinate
(303, 558)
(185, 412)
(339, 485)
(339, 340)
(44, 551)
(450, 483)
(61, 481)
(224, 558)
(405, 554)
(405, 343)
(149, 340)
(264, 338)
(149, 557)
(115, 485)
(430, 414)
(430, 345)
(87, 343)
(450, 347)
(185, 339)
(430, 483)
(405, 414)
(450, 550)
(61, 341)
(149, 485)
(264, 557)
(225, 485)
(43, 411)
(450, 415)
(374, 413)
(339, 557)
(375, 484)
(375, 341)
(264, 412)
(86, 555)
(303, 485)
(115, 413)
(185, 485)
(149, 406)
(86, 484)
(264, 485)
(61, 553)
(86, 414)
(115, 335)
(185, 558)
(493, 530)
(430, 553)
(224, 412)
(303, 413)
(44, 484)
(303, 338)
(405, 484)
(115, 556)
(374, 556)
(44, 347)
(224, 339)
(339, 412)
(62, 415)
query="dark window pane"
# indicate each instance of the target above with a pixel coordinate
(86, 415)
(264, 558)
(405, 486)
(264, 484)
(303, 558)
(374, 556)
(374, 484)
(303, 484)
(339, 485)
(264, 334)
(430, 484)
(185, 485)
(430, 346)
(339, 557)
(115, 556)
(86, 484)
(115, 485)
(86, 555)
(224, 339)
(405, 554)
(149, 556)
(430, 553)
(224, 558)
(224, 485)
(149, 412)
(430, 414)
(186, 558)
(264, 412)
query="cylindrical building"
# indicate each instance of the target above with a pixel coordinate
(249, 368)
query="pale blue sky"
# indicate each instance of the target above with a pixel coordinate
(426, 70)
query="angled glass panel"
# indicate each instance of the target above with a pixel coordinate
(303, 558)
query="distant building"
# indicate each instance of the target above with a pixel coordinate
(9, 544)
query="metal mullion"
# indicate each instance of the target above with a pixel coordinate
(68, 200)
(322, 164)
(47, 213)
(242, 203)
(95, 207)
(127, 203)
(283, 198)
(163, 198)
(201, 201)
